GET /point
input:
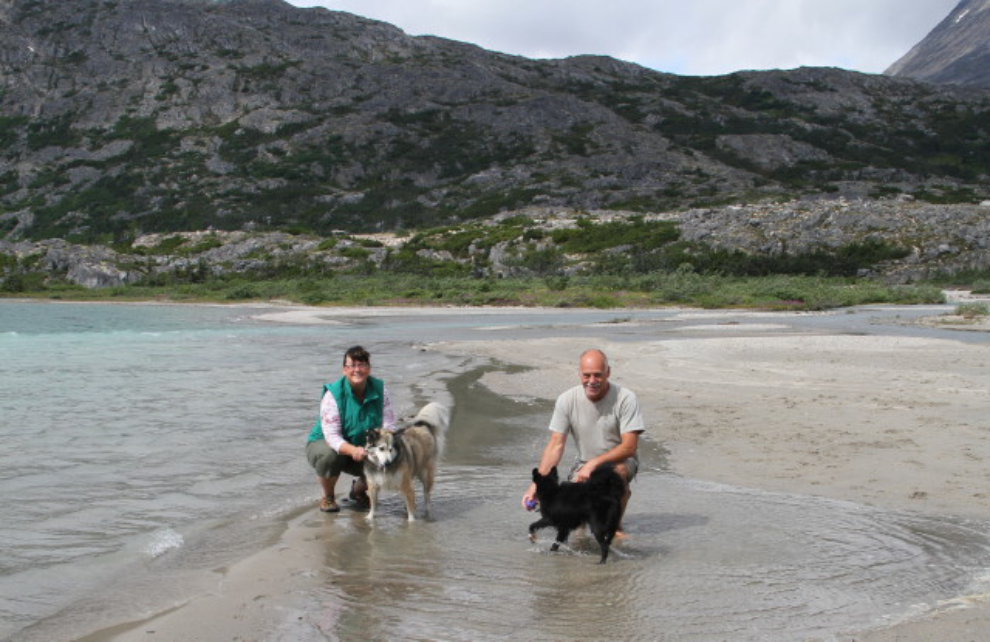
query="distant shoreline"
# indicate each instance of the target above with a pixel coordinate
(681, 288)
(283, 311)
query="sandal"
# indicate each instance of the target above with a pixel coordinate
(329, 505)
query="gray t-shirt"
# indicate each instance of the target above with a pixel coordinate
(597, 426)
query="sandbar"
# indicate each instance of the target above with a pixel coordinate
(891, 421)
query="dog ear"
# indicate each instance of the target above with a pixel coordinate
(372, 435)
(553, 473)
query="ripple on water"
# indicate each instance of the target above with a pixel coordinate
(163, 541)
(701, 562)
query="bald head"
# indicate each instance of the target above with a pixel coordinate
(595, 354)
(594, 370)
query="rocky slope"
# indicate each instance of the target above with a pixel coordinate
(957, 51)
(936, 239)
(124, 118)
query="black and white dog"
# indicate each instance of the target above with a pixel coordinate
(395, 459)
(569, 505)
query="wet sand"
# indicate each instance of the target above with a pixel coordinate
(890, 421)
(893, 422)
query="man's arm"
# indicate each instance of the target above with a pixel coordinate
(553, 452)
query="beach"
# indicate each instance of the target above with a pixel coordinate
(890, 422)
(893, 421)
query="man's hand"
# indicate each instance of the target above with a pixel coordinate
(584, 472)
(529, 498)
(359, 453)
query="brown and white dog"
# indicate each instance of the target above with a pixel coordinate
(395, 459)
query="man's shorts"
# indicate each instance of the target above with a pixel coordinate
(631, 464)
(329, 463)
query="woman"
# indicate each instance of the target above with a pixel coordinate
(351, 406)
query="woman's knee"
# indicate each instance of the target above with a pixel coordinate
(322, 458)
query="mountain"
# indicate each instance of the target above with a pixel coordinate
(126, 117)
(956, 52)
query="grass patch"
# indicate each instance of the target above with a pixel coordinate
(600, 291)
(972, 310)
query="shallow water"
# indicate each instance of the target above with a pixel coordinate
(702, 561)
(143, 446)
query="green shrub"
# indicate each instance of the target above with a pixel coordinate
(204, 244)
(149, 141)
(241, 291)
(539, 261)
(355, 253)
(167, 245)
(24, 283)
(588, 237)
(54, 132)
(972, 310)
(10, 127)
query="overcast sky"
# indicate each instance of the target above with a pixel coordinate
(686, 37)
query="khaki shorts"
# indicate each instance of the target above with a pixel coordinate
(328, 463)
(631, 464)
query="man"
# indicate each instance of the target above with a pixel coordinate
(351, 406)
(605, 420)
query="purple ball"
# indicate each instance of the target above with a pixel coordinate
(530, 504)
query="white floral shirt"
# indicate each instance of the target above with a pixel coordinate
(333, 430)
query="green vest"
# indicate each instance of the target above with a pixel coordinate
(356, 417)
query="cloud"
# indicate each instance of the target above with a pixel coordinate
(691, 37)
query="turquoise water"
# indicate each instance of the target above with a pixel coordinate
(133, 431)
(142, 442)
(128, 429)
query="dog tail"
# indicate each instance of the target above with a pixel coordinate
(436, 418)
(606, 480)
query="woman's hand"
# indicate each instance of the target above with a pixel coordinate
(358, 453)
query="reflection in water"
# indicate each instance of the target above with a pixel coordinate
(702, 561)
